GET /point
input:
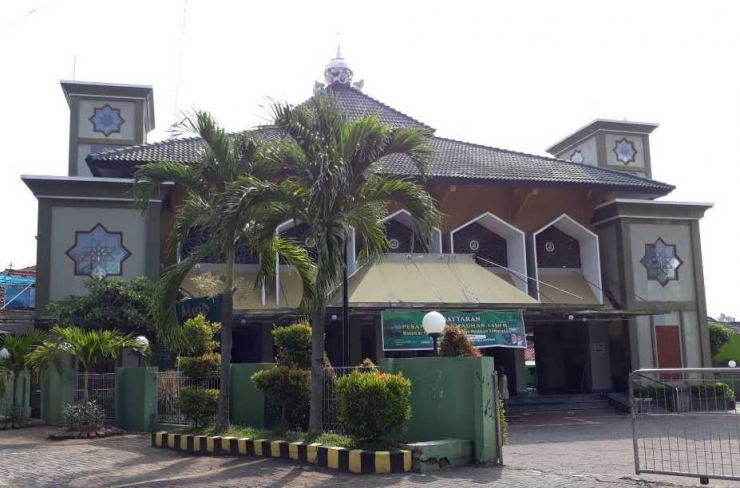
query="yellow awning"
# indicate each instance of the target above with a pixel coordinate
(562, 281)
(431, 278)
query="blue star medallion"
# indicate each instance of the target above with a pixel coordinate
(625, 150)
(98, 253)
(107, 120)
(661, 262)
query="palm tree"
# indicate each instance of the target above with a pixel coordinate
(328, 182)
(91, 347)
(224, 158)
(14, 358)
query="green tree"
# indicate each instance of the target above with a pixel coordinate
(90, 347)
(16, 360)
(328, 182)
(206, 183)
(719, 335)
(110, 304)
(199, 335)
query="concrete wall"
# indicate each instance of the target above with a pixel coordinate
(588, 150)
(247, 402)
(66, 220)
(451, 397)
(22, 393)
(57, 391)
(136, 399)
(599, 365)
(684, 288)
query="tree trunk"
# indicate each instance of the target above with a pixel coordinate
(315, 422)
(227, 312)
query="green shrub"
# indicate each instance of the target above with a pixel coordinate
(288, 394)
(198, 405)
(200, 335)
(712, 390)
(654, 392)
(374, 406)
(198, 368)
(719, 335)
(84, 417)
(293, 345)
(455, 342)
(367, 366)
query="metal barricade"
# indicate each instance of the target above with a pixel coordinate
(169, 385)
(331, 421)
(101, 388)
(685, 422)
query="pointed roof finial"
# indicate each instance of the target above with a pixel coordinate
(338, 70)
(339, 51)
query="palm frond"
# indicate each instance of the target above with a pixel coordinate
(148, 178)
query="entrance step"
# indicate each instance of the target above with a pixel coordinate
(563, 404)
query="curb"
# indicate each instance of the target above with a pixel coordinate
(339, 458)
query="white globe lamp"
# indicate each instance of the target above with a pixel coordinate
(434, 324)
(142, 346)
(732, 363)
(4, 353)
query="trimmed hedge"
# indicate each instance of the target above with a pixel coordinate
(201, 367)
(712, 390)
(288, 393)
(374, 406)
(198, 405)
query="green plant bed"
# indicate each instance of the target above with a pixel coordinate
(712, 404)
(326, 456)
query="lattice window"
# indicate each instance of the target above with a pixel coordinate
(400, 238)
(199, 237)
(556, 249)
(476, 239)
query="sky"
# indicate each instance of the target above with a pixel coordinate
(517, 75)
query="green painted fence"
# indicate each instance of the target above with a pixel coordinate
(451, 398)
(247, 402)
(22, 393)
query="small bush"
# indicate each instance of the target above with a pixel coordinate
(456, 343)
(198, 368)
(84, 417)
(374, 406)
(288, 392)
(200, 335)
(198, 405)
(712, 390)
(293, 344)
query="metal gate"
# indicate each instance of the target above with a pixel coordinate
(685, 422)
(169, 384)
(102, 389)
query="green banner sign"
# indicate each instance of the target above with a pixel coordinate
(402, 329)
(191, 308)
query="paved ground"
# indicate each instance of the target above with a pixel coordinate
(544, 452)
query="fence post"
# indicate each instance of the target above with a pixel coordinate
(136, 398)
(484, 413)
(57, 391)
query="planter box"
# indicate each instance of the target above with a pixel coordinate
(712, 404)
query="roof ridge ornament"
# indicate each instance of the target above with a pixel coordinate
(338, 70)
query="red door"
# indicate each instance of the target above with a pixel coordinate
(669, 346)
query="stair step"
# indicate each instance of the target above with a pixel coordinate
(590, 411)
(560, 406)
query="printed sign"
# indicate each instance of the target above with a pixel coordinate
(402, 329)
(191, 308)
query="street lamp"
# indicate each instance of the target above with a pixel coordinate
(4, 353)
(434, 324)
(142, 346)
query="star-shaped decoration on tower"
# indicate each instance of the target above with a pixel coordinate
(107, 120)
(98, 253)
(625, 150)
(577, 157)
(661, 262)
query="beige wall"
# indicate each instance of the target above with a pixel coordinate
(608, 247)
(683, 289)
(691, 339)
(588, 149)
(87, 109)
(641, 339)
(66, 220)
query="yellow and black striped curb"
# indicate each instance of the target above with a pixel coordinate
(348, 460)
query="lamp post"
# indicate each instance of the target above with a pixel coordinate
(143, 344)
(434, 324)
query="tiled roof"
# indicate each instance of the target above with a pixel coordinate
(452, 159)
